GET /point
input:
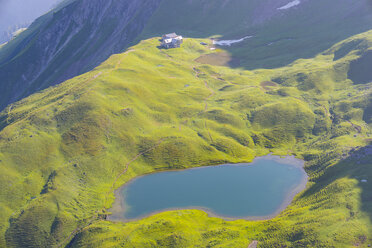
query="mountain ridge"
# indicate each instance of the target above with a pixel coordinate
(64, 46)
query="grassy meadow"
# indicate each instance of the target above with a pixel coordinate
(64, 151)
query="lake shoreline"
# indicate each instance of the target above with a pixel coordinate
(119, 203)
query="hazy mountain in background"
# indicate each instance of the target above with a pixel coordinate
(16, 14)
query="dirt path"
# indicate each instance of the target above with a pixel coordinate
(208, 97)
(131, 161)
(83, 84)
(197, 75)
(253, 244)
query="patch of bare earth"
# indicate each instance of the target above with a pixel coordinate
(268, 84)
(253, 244)
(219, 59)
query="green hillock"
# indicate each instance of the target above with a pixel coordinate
(64, 151)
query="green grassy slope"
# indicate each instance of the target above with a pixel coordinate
(63, 151)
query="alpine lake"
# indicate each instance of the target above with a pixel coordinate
(257, 190)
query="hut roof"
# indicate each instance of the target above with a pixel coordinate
(170, 36)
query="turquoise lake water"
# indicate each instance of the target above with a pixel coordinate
(259, 189)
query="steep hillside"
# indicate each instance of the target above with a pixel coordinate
(79, 36)
(66, 42)
(64, 150)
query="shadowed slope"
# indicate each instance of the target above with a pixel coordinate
(280, 36)
(69, 41)
(360, 70)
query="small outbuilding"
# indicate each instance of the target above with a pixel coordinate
(171, 40)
